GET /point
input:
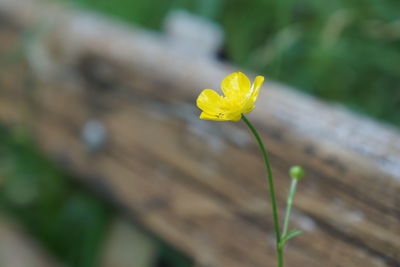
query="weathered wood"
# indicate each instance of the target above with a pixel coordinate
(200, 185)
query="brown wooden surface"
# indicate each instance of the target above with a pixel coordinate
(201, 185)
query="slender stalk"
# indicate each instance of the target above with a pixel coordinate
(291, 194)
(271, 189)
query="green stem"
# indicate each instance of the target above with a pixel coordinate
(271, 189)
(291, 194)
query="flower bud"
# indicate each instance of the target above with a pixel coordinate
(296, 172)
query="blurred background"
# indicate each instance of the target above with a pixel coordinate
(344, 52)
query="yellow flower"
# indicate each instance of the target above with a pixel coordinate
(239, 97)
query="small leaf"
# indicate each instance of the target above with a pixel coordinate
(290, 235)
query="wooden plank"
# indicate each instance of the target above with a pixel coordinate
(197, 184)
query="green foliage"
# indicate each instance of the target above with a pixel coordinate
(344, 51)
(68, 220)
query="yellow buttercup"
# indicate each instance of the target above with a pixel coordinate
(239, 97)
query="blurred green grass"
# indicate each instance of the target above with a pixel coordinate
(342, 51)
(68, 220)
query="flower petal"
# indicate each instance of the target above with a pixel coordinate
(209, 101)
(257, 85)
(236, 85)
(221, 116)
(249, 105)
(212, 117)
(234, 116)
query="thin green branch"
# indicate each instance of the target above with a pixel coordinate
(271, 189)
(291, 194)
